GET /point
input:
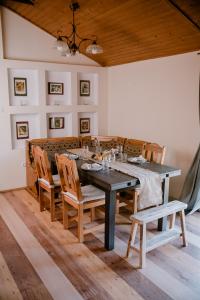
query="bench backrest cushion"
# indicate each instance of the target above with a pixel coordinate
(54, 145)
(134, 147)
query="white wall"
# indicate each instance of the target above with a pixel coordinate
(24, 41)
(157, 100)
(22, 60)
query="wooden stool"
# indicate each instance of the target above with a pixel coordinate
(149, 215)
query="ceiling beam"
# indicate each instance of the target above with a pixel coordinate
(177, 7)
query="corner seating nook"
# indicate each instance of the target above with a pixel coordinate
(61, 145)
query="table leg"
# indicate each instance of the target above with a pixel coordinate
(162, 223)
(110, 207)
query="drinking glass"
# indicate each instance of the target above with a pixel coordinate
(85, 150)
(105, 163)
(125, 157)
(120, 148)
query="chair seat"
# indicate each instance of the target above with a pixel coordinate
(89, 193)
(56, 181)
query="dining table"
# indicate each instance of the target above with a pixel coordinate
(112, 181)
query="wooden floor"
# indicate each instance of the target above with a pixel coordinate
(40, 260)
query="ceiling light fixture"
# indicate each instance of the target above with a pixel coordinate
(70, 45)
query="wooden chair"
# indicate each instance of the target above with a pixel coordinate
(153, 153)
(47, 182)
(78, 197)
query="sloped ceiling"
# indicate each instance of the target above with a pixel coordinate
(128, 30)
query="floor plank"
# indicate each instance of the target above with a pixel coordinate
(8, 287)
(25, 277)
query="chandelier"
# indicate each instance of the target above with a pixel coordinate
(70, 45)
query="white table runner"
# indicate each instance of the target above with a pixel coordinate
(150, 183)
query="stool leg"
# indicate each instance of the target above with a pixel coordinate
(172, 221)
(142, 245)
(183, 227)
(133, 232)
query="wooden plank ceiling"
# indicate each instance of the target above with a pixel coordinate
(128, 30)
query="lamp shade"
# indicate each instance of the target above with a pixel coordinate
(94, 49)
(61, 46)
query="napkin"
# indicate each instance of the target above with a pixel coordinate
(86, 166)
(137, 159)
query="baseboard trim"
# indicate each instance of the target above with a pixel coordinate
(16, 189)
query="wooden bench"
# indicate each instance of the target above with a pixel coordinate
(149, 215)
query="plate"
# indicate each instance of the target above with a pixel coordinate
(91, 167)
(72, 156)
(137, 160)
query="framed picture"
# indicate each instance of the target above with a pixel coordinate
(84, 125)
(22, 130)
(55, 88)
(56, 123)
(84, 88)
(20, 86)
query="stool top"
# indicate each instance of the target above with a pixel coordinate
(155, 213)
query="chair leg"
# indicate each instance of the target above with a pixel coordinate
(142, 245)
(183, 228)
(172, 221)
(80, 223)
(117, 206)
(132, 236)
(65, 215)
(93, 214)
(52, 205)
(135, 202)
(41, 200)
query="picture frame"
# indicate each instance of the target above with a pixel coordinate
(56, 123)
(22, 130)
(20, 86)
(85, 88)
(55, 88)
(84, 125)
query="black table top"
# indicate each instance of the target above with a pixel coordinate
(163, 170)
(107, 179)
(112, 180)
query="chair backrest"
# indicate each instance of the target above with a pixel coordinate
(154, 152)
(69, 177)
(86, 141)
(42, 164)
(134, 147)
